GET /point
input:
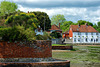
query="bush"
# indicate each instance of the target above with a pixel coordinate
(45, 36)
(55, 34)
(17, 33)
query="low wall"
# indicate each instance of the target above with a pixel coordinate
(38, 64)
(62, 47)
(37, 49)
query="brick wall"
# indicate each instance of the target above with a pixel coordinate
(37, 49)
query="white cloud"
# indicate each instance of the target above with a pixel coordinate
(71, 14)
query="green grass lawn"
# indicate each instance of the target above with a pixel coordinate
(80, 56)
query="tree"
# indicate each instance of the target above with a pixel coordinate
(55, 34)
(65, 26)
(97, 27)
(43, 20)
(82, 22)
(7, 7)
(25, 19)
(56, 19)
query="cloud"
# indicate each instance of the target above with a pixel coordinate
(73, 10)
(71, 14)
(57, 3)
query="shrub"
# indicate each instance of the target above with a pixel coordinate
(55, 34)
(16, 33)
(45, 36)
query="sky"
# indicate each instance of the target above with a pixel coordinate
(73, 10)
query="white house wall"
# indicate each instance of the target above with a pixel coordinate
(83, 37)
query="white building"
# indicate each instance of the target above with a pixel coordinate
(84, 34)
(39, 31)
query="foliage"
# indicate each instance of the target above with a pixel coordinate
(43, 18)
(45, 36)
(17, 33)
(7, 7)
(55, 34)
(97, 27)
(56, 19)
(65, 26)
(82, 22)
(27, 20)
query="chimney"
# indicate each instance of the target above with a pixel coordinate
(86, 24)
(78, 25)
(59, 25)
(28, 11)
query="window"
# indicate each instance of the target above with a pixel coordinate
(86, 33)
(96, 33)
(86, 40)
(74, 39)
(91, 33)
(96, 40)
(78, 39)
(91, 39)
(79, 33)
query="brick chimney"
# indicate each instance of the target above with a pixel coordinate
(78, 25)
(59, 25)
(86, 24)
(28, 12)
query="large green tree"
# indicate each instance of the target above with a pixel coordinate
(97, 26)
(43, 20)
(56, 19)
(65, 26)
(25, 19)
(7, 7)
(82, 22)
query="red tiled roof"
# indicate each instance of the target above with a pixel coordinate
(82, 28)
(55, 27)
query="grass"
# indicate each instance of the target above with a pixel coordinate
(84, 56)
(61, 44)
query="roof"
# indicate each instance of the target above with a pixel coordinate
(82, 28)
(55, 27)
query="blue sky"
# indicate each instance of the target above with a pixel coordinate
(73, 10)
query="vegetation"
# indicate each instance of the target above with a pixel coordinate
(56, 19)
(17, 33)
(43, 20)
(7, 7)
(97, 27)
(81, 56)
(45, 36)
(25, 19)
(55, 35)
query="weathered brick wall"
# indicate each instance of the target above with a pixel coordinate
(62, 47)
(37, 49)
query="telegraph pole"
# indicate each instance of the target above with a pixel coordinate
(44, 21)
